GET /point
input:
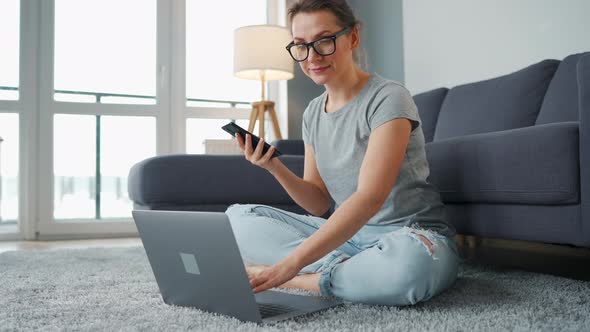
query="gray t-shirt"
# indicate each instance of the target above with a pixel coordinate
(340, 141)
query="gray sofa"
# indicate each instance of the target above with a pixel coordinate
(510, 156)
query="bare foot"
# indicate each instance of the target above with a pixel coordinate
(308, 281)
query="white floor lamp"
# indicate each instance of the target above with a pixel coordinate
(260, 54)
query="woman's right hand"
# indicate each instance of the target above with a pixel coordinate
(255, 156)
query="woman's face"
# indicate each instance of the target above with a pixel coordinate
(307, 27)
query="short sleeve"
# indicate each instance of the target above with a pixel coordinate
(393, 101)
(305, 127)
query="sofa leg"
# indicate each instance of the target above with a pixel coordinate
(467, 245)
(460, 240)
(467, 241)
(472, 241)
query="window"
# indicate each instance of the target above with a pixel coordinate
(100, 58)
(74, 166)
(198, 130)
(119, 151)
(79, 190)
(9, 39)
(9, 125)
(105, 51)
(209, 49)
(210, 83)
(126, 82)
(9, 116)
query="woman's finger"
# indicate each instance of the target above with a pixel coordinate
(258, 280)
(240, 141)
(254, 282)
(263, 287)
(268, 155)
(258, 152)
(248, 145)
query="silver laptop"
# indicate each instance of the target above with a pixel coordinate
(197, 263)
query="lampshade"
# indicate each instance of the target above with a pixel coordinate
(260, 50)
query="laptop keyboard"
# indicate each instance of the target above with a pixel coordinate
(268, 310)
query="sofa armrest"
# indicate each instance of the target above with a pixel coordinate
(536, 165)
(290, 146)
(583, 71)
(207, 179)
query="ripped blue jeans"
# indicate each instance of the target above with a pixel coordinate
(380, 264)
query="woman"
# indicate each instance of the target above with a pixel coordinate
(387, 241)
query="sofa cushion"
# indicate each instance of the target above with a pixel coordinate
(584, 102)
(561, 100)
(219, 207)
(428, 104)
(289, 146)
(532, 165)
(188, 179)
(506, 102)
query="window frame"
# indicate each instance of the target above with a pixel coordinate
(36, 108)
(47, 227)
(276, 90)
(26, 108)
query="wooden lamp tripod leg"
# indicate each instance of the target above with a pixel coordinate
(258, 110)
(261, 121)
(253, 117)
(275, 122)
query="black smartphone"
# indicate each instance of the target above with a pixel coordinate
(233, 128)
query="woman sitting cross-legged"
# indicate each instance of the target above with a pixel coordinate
(387, 241)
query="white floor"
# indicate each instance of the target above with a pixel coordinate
(51, 245)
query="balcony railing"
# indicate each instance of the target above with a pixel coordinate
(99, 95)
(95, 189)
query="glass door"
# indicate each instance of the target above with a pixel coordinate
(10, 115)
(103, 95)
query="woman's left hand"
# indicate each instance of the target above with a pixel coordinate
(274, 276)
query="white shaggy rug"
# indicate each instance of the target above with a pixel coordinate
(114, 289)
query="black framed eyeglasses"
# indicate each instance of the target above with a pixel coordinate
(323, 46)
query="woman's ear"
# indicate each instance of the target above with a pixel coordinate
(355, 37)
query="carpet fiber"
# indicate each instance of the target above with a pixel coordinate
(114, 289)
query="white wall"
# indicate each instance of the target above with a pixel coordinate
(451, 42)
(381, 46)
(381, 36)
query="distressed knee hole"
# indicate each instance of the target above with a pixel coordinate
(426, 242)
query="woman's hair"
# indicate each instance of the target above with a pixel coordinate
(339, 8)
(341, 11)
